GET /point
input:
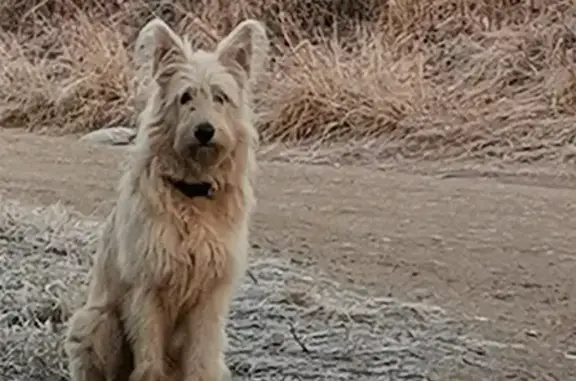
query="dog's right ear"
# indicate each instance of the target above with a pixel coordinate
(168, 46)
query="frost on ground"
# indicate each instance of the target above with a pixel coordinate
(287, 323)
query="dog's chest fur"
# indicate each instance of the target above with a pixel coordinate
(184, 249)
(197, 248)
(193, 257)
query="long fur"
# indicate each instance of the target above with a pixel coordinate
(168, 264)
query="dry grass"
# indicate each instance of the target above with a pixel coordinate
(433, 78)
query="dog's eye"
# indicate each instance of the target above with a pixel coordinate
(185, 97)
(220, 98)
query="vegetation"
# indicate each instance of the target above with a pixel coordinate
(435, 77)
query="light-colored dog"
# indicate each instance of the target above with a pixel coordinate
(175, 245)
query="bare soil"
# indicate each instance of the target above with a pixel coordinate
(495, 252)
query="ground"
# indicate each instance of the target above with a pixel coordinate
(491, 246)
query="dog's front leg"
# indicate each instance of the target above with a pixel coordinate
(203, 355)
(146, 325)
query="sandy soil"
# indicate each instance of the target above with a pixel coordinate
(497, 252)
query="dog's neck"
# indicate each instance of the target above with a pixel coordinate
(193, 190)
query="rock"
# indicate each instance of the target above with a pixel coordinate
(111, 136)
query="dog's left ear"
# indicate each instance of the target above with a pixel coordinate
(167, 46)
(247, 45)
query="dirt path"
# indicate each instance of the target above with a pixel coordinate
(500, 252)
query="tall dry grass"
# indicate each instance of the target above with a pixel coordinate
(434, 77)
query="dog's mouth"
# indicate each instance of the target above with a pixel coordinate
(205, 154)
(205, 148)
(209, 144)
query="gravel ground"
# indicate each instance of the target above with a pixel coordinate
(288, 322)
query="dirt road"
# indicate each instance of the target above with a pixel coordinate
(500, 252)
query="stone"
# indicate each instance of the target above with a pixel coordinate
(111, 136)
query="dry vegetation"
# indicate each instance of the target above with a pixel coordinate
(432, 78)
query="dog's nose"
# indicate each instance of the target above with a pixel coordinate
(204, 132)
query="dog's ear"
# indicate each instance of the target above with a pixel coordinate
(247, 45)
(168, 46)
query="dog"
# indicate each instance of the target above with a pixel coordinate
(175, 246)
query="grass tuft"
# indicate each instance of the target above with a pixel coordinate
(436, 78)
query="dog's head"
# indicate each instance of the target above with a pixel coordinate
(199, 112)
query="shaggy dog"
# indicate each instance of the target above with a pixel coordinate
(175, 245)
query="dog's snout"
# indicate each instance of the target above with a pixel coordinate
(204, 132)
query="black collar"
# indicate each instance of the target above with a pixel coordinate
(191, 190)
